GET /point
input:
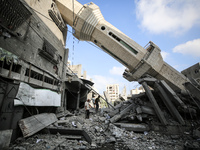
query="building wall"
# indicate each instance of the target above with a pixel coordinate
(77, 69)
(113, 92)
(37, 43)
(123, 93)
(137, 90)
(193, 72)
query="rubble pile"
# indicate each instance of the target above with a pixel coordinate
(131, 124)
(103, 136)
(128, 126)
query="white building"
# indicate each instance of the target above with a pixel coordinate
(137, 90)
(77, 69)
(123, 93)
(113, 92)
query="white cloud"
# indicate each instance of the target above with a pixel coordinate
(100, 82)
(164, 55)
(177, 67)
(174, 16)
(189, 48)
(117, 70)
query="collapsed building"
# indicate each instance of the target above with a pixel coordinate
(34, 63)
(36, 83)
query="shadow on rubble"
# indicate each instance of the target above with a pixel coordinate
(110, 146)
(155, 119)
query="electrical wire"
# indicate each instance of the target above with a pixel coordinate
(73, 38)
(31, 113)
(13, 87)
(19, 56)
(67, 29)
(37, 11)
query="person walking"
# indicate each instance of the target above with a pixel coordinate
(87, 109)
(97, 100)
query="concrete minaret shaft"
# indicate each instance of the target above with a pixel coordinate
(89, 25)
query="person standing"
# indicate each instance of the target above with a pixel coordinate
(97, 100)
(93, 101)
(87, 109)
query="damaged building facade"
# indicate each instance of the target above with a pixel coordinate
(33, 63)
(36, 84)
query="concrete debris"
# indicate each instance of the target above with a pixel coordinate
(60, 112)
(132, 124)
(33, 124)
(110, 137)
(116, 136)
(196, 133)
(193, 145)
(133, 127)
(42, 98)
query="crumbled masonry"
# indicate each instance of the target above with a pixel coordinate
(42, 95)
(135, 127)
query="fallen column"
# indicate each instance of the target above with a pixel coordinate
(172, 94)
(172, 109)
(133, 127)
(154, 103)
(73, 132)
(122, 113)
(147, 110)
(195, 91)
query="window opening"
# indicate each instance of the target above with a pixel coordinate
(123, 43)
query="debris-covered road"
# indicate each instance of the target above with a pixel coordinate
(67, 133)
(135, 124)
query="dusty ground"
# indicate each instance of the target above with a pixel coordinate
(103, 137)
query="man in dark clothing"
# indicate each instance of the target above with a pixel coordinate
(97, 100)
(93, 101)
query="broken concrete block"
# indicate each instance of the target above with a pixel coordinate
(97, 129)
(33, 124)
(133, 127)
(139, 117)
(122, 113)
(84, 142)
(114, 112)
(82, 147)
(79, 126)
(102, 119)
(93, 145)
(111, 139)
(117, 132)
(148, 110)
(5, 137)
(138, 110)
(61, 122)
(75, 137)
(196, 133)
(19, 148)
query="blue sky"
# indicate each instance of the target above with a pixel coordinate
(173, 25)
